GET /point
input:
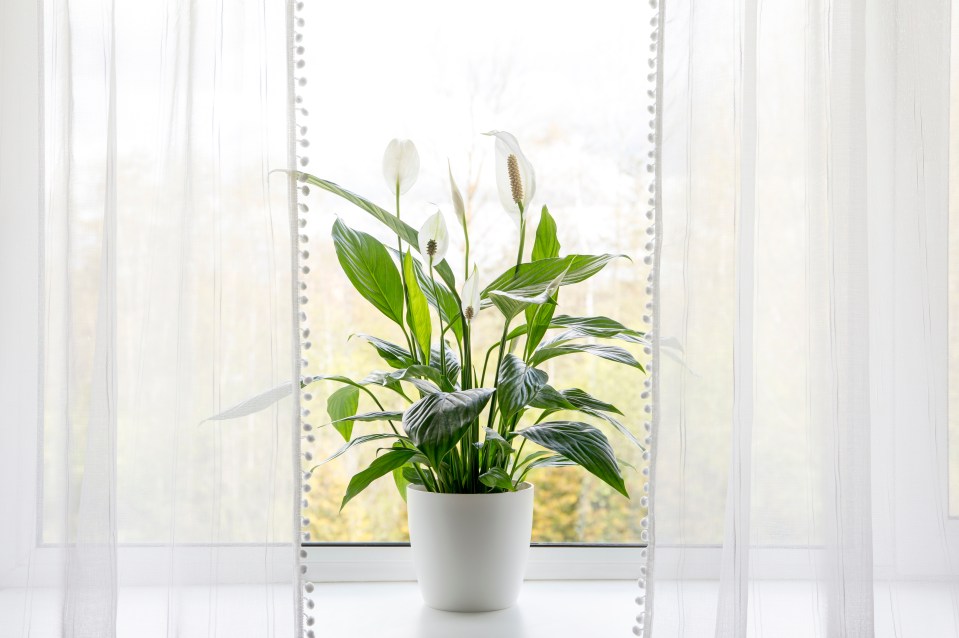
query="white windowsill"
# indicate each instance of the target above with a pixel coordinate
(546, 609)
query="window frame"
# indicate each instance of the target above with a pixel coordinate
(359, 562)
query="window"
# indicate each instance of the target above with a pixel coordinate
(577, 111)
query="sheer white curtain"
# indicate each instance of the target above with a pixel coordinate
(167, 295)
(801, 470)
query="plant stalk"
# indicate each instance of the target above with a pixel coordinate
(522, 238)
(406, 293)
(499, 362)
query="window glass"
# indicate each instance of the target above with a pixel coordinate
(571, 85)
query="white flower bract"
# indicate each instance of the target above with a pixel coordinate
(401, 165)
(434, 239)
(507, 146)
(471, 295)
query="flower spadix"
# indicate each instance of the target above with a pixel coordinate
(515, 179)
(434, 239)
(401, 165)
(471, 295)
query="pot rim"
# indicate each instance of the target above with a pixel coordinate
(520, 488)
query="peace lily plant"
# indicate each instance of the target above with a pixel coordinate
(467, 426)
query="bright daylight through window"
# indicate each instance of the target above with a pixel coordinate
(577, 110)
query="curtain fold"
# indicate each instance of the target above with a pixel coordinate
(801, 470)
(168, 296)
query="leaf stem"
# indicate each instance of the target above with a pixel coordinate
(518, 454)
(499, 362)
(419, 473)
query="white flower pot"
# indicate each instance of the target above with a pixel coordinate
(470, 550)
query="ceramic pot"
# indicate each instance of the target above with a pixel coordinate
(470, 550)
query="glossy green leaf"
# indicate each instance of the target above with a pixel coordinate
(577, 400)
(410, 475)
(518, 384)
(403, 230)
(370, 379)
(582, 399)
(495, 442)
(511, 304)
(497, 478)
(533, 278)
(601, 327)
(400, 480)
(581, 443)
(548, 398)
(425, 378)
(610, 353)
(366, 438)
(547, 460)
(439, 296)
(394, 355)
(381, 378)
(438, 421)
(367, 417)
(613, 421)
(418, 310)
(452, 370)
(538, 321)
(341, 406)
(546, 245)
(381, 466)
(370, 269)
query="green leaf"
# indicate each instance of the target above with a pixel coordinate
(452, 370)
(369, 268)
(518, 384)
(615, 423)
(551, 460)
(581, 443)
(394, 355)
(368, 417)
(425, 378)
(582, 399)
(602, 327)
(381, 466)
(410, 475)
(418, 311)
(341, 406)
(546, 245)
(511, 304)
(403, 230)
(399, 478)
(538, 321)
(371, 379)
(610, 353)
(548, 460)
(548, 398)
(577, 400)
(366, 438)
(438, 421)
(439, 296)
(496, 442)
(381, 378)
(498, 478)
(533, 278)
